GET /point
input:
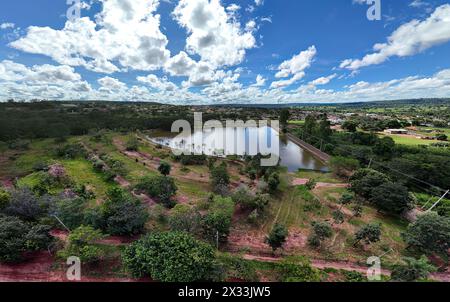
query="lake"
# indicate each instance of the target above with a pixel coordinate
(291, 155)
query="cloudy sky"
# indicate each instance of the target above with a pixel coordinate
(224, 51)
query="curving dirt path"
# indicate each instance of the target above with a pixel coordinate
(343, 265)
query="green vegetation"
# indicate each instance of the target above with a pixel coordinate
(170, 257)
(99, 175)
(82, 243)
(17, 237)
(277, 237)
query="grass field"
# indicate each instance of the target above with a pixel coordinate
(81, 172)
(409, 140)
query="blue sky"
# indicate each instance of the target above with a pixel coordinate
(211, 51)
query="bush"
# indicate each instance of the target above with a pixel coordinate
(132, 144)
(321, 231)
(391, 198)
(364, 181)
(161, 187)
(170, 257)
(121, 214)
(220, 179)
(70, 211)
(249, 201)
(412, 270)
(217, 221)
(183, 218)
(298, 270)
(429, 234)
(71, 151)
(25, 205)
(273, 181)
(277, 236)
(82, 244)
(17, 237)
(164, 168)
(370, 233)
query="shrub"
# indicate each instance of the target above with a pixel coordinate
(71, 151)
(298, 270)
(364, 181)
(370, 233)
(220, 179)
(161, 187)
(343, 166)
(164, 168)
(277, 236)
(121, 214)
(429, 234)
(273, 181)
(17, 237)
(170, 257)
(183, 218)
(132, 144)
(321, 231)
(25, 205)
(412, 270)
(217, 221)
(82, 244)
(70, 211)
(391, 198)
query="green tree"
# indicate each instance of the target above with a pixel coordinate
(277, 236)
(364, 181)
(220, 179)
(391, 198)
(284, 118)
(320, 232)
(441, 137)
(384, 147)
(17, 237)
(120, 214)
(170, 257)
(346, 199)
(82, 243)
(132, 144)
(184, 218)
(70, 211)
(350, 126)
(274, 181)
(25, 205)
(338, 217)
(164, 168)
(298, 270)
(12, 239)
(412, 270)
(161, 187)
(369, 233)
(216, 222)
(429, 234)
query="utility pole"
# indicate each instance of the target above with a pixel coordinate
(437, 202)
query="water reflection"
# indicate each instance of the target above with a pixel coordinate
(244, 140)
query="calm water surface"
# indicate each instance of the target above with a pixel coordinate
(292, 156)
